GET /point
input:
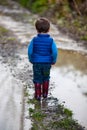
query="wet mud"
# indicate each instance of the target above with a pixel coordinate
(18, 108)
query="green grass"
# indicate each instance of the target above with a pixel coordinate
(38, 116)
(68, 112)
(66, 124)
(36, 6)
(61, 118)
(3, 30)
(3, 2)
(84, 38)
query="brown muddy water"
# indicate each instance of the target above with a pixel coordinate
(69, 75)
(70, 79)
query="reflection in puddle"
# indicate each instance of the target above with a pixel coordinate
(73, 58)
(70, 76)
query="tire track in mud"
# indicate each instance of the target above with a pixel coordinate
(12, 87)
(10, 99)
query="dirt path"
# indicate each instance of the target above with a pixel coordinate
(16, 80)
(10, 100)
(13, 78)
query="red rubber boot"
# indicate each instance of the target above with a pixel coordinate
(45, 89)
(38, 91)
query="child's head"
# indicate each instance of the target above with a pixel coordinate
(42, 25)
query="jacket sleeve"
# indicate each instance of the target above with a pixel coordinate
(54, 52)
(30, 51)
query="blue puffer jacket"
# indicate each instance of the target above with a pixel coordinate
(40, 49)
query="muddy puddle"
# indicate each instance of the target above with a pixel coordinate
(13, 110)
(10, 100)
(69, 75)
